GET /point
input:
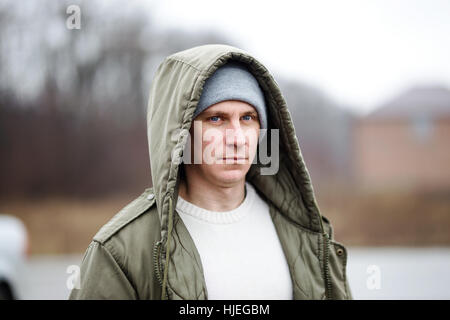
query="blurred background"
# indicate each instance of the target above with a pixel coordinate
(367, 84)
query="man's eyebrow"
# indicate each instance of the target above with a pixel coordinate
(224, 114)
(252, 112)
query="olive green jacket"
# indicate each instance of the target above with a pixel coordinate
(145, 250)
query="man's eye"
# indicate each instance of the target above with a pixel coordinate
(214, 118)
(248, 117)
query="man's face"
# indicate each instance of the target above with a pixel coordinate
(224, 139)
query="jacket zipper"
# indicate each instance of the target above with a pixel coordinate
(162, 279)
(326, 271)
(326, 254)
(157, 265)
(156, 261)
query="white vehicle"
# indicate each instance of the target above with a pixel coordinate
(13, 253)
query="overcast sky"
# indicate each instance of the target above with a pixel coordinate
(359, 53)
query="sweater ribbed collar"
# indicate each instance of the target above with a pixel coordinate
(216, 217)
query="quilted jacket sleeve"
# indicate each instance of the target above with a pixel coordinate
(101, 277)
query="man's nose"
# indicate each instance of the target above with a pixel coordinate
(235, 134)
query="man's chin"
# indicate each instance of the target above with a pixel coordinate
(230, 175)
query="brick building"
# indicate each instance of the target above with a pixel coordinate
(405, 144)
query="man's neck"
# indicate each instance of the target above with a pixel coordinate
(212, 197)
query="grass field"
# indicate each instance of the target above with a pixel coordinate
(389, 219)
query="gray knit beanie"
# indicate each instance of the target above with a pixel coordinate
(233, 81)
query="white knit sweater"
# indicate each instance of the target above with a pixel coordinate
(241, 254)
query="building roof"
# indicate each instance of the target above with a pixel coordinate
(433, 101)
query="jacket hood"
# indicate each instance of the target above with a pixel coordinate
(174, 94)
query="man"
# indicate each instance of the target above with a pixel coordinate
(221, 227)
(229, 222)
